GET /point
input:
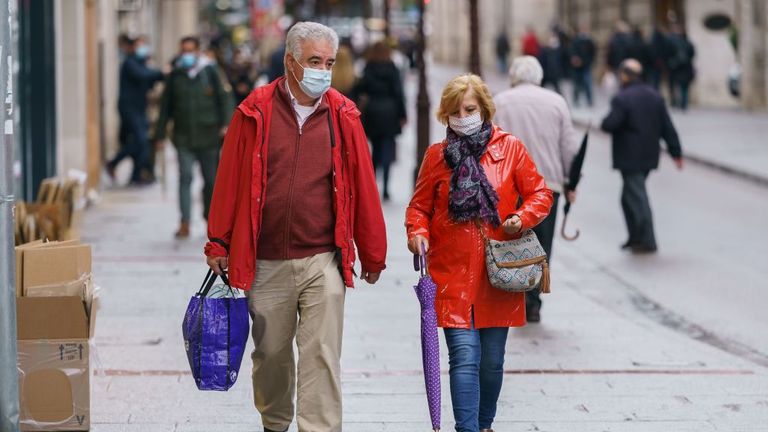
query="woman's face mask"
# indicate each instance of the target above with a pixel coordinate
(468, 125)
(315, 83)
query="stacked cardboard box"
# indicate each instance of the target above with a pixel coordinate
(56, 213)
(56, 314)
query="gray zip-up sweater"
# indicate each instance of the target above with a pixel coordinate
(541, 119)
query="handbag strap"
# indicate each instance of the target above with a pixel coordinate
(210, 279)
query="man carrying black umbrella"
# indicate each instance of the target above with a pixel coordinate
(637, 121)
(540, 118)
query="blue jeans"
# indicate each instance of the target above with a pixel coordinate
(476, 370)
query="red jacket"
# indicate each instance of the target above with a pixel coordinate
(456, 257)
(235, 216)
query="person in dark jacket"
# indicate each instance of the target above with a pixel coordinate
(380, 94)
(659, 49)
(681, 71)
(551, 59)
(637, 121)
(582, 58)
(136, 79)
(619, 46)
(200, 105)
(640, 50)
(502, 51)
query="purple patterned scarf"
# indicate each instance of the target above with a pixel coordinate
(471, 195)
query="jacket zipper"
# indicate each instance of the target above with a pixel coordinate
(263, 191)
(348, 202)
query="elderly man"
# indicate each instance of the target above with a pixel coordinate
(540, 118)
(637, 121)
(295, 193)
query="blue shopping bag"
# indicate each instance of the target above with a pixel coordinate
(215, 331)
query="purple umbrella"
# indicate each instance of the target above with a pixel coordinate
(430, 347)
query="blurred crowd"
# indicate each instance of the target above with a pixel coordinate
(667, 56)
(195, 93)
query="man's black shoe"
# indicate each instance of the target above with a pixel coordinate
(643, 249)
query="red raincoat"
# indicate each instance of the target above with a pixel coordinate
(456, 256)
(234, 219)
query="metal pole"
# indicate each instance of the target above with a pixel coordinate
(474, 39)
(9, 376)
(422, 98)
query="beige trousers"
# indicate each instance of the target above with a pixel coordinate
(300, 299)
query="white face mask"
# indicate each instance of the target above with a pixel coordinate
(468, 125)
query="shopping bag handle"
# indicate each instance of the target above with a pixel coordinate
(420, 262)
(209, 280)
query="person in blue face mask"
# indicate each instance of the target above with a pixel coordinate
(136, 79)
(295, 195)
(199, 103)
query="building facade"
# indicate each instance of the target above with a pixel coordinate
(716, 58)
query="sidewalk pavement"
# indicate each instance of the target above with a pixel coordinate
(730, 140)
(594, 364)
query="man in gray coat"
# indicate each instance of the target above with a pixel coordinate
(540, 118)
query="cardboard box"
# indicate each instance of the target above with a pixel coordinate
(54, 367)
(32, 245)
(20, 263)
(55, 264)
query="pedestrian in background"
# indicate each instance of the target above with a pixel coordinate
(680, 62)
(551, 61)
(637, 121)
(469, 182)
(295, 177)
(541, 119)
(582, 58)
(618, 46)
(240, 75)
(502, 51)
(659, 49)
(382, 102)
(136, 79)
(531, 43)
(199, 104)
(640, 50)
(344, 77)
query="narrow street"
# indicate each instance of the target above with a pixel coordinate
(669, 342)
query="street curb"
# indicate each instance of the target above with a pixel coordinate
(753, 178)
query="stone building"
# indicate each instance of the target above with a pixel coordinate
(707, 25)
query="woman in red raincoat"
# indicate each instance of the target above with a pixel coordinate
(473, 180)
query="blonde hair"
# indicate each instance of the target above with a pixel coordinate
(453, 94)
(343, 77)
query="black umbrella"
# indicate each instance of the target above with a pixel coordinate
(573, 181)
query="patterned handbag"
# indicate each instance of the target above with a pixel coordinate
(517, 265)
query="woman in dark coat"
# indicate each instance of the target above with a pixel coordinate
(379, 94)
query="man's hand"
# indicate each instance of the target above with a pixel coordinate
(415, 244)
(679, 163)
(570, 195)
(370, 277)
(217, 264)
(513, 224)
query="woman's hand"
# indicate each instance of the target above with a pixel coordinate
(513, 224)
(415, 244)
(217, 264)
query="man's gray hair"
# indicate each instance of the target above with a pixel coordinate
(526, 69)
(307, 30)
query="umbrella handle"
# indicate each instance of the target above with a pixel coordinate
(420, 262)
(566, 236)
